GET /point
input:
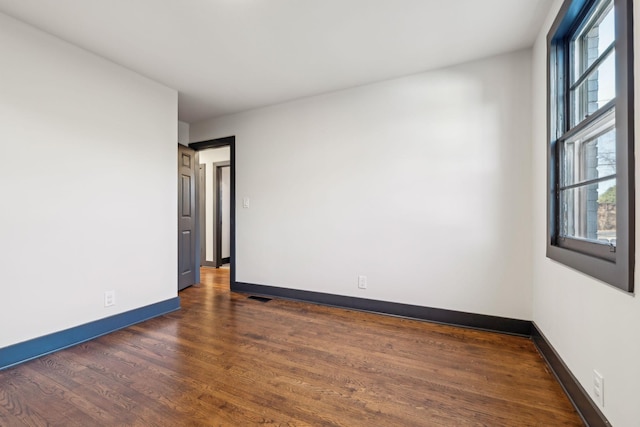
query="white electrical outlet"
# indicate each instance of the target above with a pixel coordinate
(246, 202)
(109, 298)
(598, 388)
(362, 282)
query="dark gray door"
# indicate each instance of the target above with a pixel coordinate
(187, 262)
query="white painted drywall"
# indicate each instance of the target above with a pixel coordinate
(225, 210)
(208, 157)
(420, 183)
(183, 133)
(88, 183)
(590, 324)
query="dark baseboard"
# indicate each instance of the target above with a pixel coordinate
(226, 260)
(438, 315)
(580, 399)
(32, 349)
(590, 413)
(588, 410)
(208, 264)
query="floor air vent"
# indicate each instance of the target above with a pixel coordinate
(261, 299)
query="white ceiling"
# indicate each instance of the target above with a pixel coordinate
(226, 56)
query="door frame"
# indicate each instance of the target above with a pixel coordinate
(228, 141)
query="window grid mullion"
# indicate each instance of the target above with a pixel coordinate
(587, 182)
(604, 56)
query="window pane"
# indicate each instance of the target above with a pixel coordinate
(593, 40)
(589, 212)
(595, 91)
(589, 155)
(606, 30)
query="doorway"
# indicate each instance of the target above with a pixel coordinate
(214, 199)
(216, 234)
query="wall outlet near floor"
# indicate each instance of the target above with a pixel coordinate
(362, 282)
(109, 298)
(598, 388)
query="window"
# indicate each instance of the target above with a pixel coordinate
(590, 126)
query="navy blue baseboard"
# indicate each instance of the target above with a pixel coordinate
(438, 315)
(24, 351)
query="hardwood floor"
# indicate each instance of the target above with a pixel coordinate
(228, 360)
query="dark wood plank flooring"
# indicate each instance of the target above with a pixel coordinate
(227, 360)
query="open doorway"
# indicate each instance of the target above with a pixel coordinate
(216, 194)
(215, 206)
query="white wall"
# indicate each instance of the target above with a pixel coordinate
(225, 210)
(591, 325)
(183, 133)
(209, 157)
(88, 183)
(420, 183)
